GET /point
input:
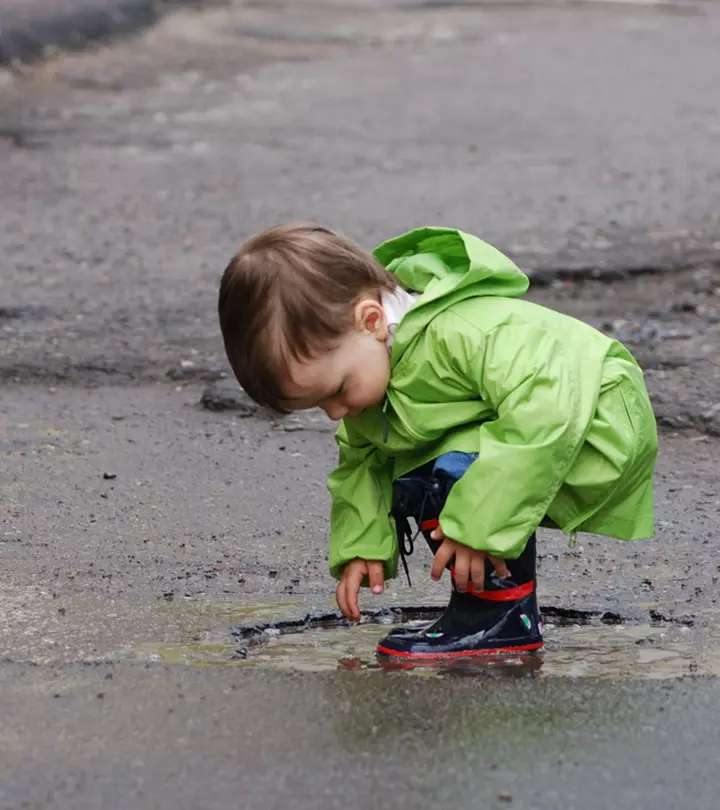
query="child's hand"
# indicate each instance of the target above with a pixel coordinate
(348, 588)
(468, 563)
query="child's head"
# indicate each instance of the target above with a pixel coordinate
(302, 322)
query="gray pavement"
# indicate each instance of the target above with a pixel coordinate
(126, 738)
(574, 137)
(568, 137)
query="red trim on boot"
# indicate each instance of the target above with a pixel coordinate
(429, 525)
(464, 654)
(507, 595)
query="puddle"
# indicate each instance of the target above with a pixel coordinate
(576, 646)
(576, 651)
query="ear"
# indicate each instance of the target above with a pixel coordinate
(369, 319)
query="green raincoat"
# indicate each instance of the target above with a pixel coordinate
(557, 412)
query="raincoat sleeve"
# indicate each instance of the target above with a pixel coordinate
(361, 490)
(531, 380)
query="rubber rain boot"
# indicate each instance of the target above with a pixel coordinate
(503, 618)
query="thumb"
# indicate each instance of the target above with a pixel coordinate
(375, 576)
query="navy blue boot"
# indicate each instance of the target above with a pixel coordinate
(502, 618)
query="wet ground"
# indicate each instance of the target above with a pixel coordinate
(572, 650)
(184, 737)
(144, 516)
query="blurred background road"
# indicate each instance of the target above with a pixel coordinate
(138, 526)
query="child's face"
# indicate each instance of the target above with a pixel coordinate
(351, 377)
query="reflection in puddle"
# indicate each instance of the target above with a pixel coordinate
(589, 651)
(592, 650)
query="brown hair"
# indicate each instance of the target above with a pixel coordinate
(287, 294)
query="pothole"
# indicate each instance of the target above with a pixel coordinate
(577, 645)
(575, 650)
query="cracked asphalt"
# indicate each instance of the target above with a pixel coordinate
(582, 139)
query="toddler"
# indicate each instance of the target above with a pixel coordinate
(465, 409)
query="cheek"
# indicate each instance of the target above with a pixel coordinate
(375, 375)
(369, 381)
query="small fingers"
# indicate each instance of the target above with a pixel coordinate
(340, 598)
(352, 589)
(375, 576)
(442, 557)
(462, 569)
(347, 590)
(500, 566)
(477, 571)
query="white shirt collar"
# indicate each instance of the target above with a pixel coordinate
(395, 306)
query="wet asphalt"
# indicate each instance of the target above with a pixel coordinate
(138, 526)
(192, 738)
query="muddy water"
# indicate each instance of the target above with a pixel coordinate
(579, 651)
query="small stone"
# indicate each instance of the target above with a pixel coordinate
(292, 425)
(228, 397)
(685, 304)
(108, 476)
(190, 370)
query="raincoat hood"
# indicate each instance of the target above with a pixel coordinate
(446, 266)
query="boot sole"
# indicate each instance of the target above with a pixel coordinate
(385, 652)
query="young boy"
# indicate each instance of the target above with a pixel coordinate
(475, 413)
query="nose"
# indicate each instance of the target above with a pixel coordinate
(336, 411)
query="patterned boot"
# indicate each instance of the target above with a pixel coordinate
(501, 618)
